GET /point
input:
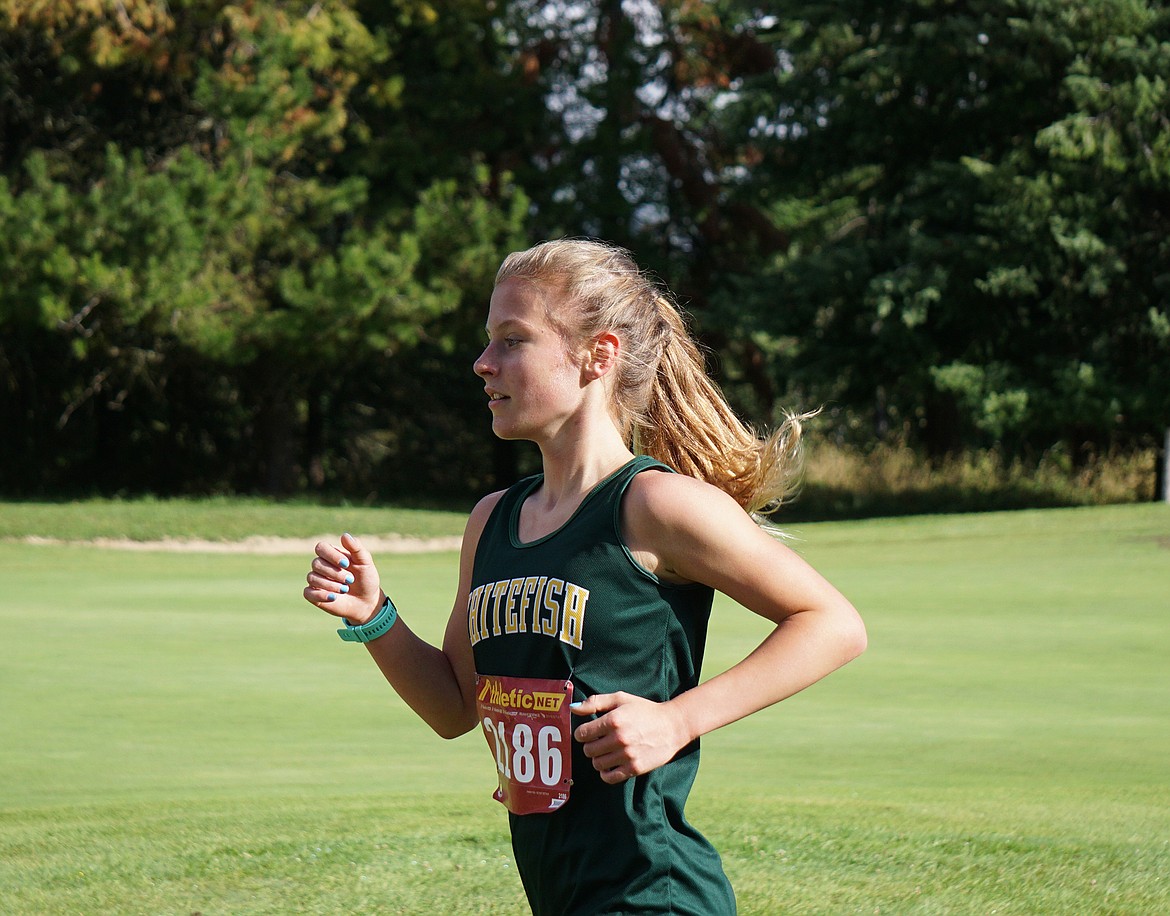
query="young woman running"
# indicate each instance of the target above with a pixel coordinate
(578, 629)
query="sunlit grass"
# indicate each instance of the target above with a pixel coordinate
(215, 519)
(180, 733)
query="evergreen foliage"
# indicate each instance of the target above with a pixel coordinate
(247, 247)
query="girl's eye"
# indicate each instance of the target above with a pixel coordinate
(508, 342)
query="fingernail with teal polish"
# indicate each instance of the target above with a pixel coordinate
(575, 705)
(349, 578)
(343, 563)
(331, 597)
(344, 589)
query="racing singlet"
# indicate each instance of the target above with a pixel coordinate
(573, 612)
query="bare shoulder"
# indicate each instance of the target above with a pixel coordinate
(471, 535)
(670, 521)
(685, 530)
(478, 519)
(484, 508)
(682, 504)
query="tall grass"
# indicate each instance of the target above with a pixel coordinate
(896, 480)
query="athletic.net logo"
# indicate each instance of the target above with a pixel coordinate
(495, 693)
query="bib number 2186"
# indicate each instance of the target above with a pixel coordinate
(527, 727)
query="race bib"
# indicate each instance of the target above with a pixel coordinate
(526, 723)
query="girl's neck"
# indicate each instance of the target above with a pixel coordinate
(571, 473)
(567, 481)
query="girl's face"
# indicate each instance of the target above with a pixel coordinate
(532, 377)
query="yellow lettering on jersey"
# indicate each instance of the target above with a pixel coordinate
(498, 591)
(531, 604)
(551, 606)
(484, 604)
(511, 616)
(538, 603)
(573, 614)
(527, 611)
(475, 627)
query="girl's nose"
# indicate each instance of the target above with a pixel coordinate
(483, 365)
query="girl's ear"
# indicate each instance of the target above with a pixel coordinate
(603, 356)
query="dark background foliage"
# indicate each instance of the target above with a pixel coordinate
(248, 247)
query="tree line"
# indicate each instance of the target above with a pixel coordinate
(247, 246)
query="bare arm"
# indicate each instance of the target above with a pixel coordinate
(685, 530)
(437, 683)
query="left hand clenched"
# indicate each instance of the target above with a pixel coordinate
(631, 736)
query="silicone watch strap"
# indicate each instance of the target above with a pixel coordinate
(372, 628)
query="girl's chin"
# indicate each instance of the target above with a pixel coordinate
(502, 429)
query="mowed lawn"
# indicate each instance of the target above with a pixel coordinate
(181, 733)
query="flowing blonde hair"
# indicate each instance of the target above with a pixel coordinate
(663, 401)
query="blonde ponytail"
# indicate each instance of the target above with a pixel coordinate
(664, 402)
(689, 425)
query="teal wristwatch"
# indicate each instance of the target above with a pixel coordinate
(372, 628)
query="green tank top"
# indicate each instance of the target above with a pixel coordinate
(594, 616)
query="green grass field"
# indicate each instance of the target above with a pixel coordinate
(180, 733)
